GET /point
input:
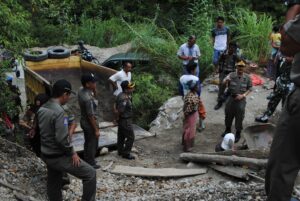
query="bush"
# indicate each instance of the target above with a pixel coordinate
(100, 33)
(254, 33)
(147, 98)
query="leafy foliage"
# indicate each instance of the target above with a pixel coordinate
(147, 98)
(254, 33)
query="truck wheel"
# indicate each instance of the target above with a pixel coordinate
(36, 55)
(58, 53)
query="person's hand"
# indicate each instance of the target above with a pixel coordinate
(239, 97)
(76, 160)
(97, 134)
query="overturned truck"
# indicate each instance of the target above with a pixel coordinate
(41, 75)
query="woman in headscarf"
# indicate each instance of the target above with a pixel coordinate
(190, 110)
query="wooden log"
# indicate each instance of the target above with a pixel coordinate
(249, 153)
(224, 160)
(156, 172)
(237, 172)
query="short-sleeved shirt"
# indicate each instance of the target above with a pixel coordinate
(53, 126)
(276, 38)
(185, 50)
(184, 79)
(124, 105)
(119, 77)
(220, 36)
(292, 28)
(88, 104)
(239, 85)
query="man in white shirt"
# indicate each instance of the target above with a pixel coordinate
(189, 52)
(122, 75)
(220, 36)
(116, 80)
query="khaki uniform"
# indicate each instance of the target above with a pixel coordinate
(88, 107)
(284, 159)
(235, 109)
(125, 130)
(57, 152)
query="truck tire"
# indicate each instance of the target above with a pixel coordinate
(36, 55)
(58, 52)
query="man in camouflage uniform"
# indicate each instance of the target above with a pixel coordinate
(125, 130)
(284, 160)
(89, 118)
(239, 86)
(282, 88)
(227, 63)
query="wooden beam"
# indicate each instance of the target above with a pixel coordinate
(224, 160)
(156, 172)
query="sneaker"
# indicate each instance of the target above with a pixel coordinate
(129, 157)
(262, 119)
(218, 106)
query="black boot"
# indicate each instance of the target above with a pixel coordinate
(219, 105)
(227, 130)
(263, 119)
(237, 136)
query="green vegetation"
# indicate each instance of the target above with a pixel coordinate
(157, 29)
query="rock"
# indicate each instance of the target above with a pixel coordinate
(104, 151)
(213, 88)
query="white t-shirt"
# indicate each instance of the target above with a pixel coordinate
(184, 80)
(119, 77)
(220, 36)
(226, 139)
(185, 50)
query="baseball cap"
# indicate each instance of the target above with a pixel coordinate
(127, 85)
(88, 78)
(62, 86)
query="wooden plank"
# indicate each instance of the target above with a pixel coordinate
(108, 137)
(224, 160)
(237, 172)
(156, 172)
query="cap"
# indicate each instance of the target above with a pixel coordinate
(241, 64)
(62, 86)
(88, 78)
(127, 85)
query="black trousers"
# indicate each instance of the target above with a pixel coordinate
(90, 143)
(125, 136)
(284, 159)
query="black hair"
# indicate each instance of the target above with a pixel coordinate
(125, 63)
(192, 37)
(220, 18)
(275, 29)
(191, 66)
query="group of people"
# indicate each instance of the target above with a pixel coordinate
(232, 76)
(49, 126)
(284, 160)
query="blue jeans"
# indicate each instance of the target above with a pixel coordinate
(217, 54)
